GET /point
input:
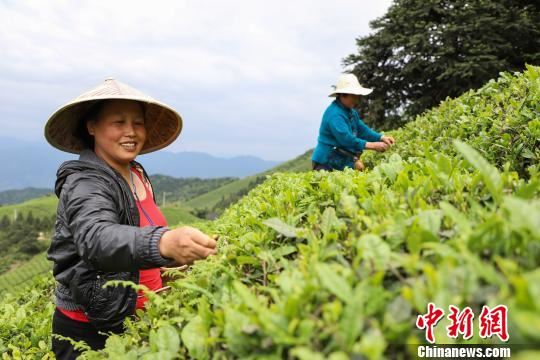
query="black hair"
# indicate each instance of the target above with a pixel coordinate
(92, 113)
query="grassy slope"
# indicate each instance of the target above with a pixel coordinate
(183, 189)
(208, 200)
(14, 279)
(44, 206)
(176, 214)
(40, 207)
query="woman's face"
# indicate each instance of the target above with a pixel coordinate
(119, 131)
(349, 100)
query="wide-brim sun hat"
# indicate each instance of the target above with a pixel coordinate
(163, 124)
(349, 84)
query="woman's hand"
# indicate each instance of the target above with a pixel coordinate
(186, 244)
(377, 146)
(388, 140)
(359, 165)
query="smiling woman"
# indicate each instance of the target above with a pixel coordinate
(117, 130)
(108, 226)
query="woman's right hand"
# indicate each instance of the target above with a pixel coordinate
(377, 146)
(186, 244)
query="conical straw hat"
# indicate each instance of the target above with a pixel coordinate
(163, 124)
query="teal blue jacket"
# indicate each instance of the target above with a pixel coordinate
(341, 127)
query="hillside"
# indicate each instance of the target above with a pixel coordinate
(25, 230)
(15, 280)
(18, 266)
(17, 196)
(43, 206)
(176, 214)
(183, 189)
(176, 188)
(215, 201)
(318, 265)
(22, 239)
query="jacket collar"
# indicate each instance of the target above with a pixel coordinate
(89, 155)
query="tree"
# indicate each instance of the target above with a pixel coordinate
(38, 224)
(5, 222)
(30, 218)
(29, 244)
(423, 51)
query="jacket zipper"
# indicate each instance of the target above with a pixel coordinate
(135, 277)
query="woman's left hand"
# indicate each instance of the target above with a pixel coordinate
(359, 165)
(389, 140)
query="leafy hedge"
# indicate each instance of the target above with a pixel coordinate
(501, 120)
(327, 265)
(25, 321)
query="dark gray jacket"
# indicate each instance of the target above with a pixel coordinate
(98, 238)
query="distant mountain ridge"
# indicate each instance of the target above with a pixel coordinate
(33, 164)
(210, 204)
(20, 195)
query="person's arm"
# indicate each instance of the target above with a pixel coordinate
(344, 137)
(367, 133)
(100, 239)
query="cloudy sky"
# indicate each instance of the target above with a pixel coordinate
(248, 77)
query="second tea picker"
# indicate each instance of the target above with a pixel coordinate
(343, 136)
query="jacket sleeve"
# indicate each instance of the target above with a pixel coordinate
(367, 133)
(100, 239)
(343, 135)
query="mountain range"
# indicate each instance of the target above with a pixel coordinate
(34, 164)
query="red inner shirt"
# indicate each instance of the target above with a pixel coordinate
(151, 278)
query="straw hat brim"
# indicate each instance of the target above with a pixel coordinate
(163, 124)
(355, 91)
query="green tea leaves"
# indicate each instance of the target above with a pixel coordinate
(165, 339)
(281, 227)
(333, 282)
(489, 173)
(194, 337)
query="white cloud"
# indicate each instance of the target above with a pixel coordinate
(249, 77)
